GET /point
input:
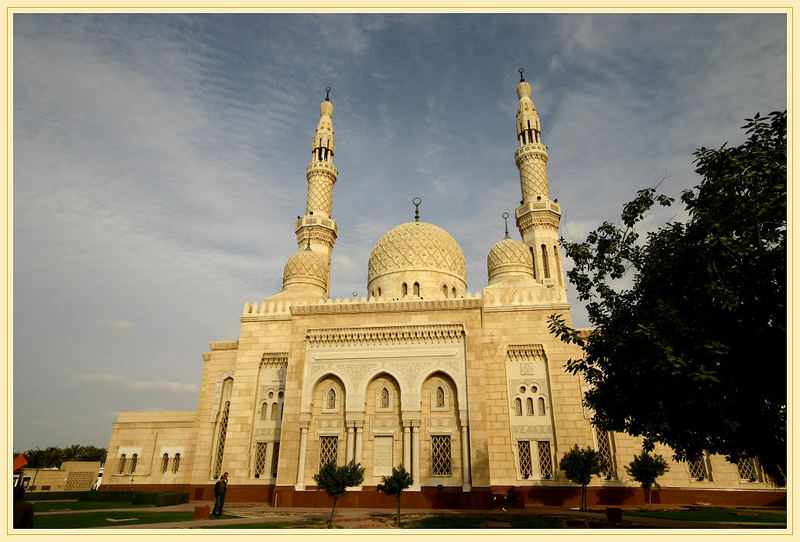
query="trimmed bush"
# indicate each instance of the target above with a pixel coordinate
(158, 498)
(53, 495)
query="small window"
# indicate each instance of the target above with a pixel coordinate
(698, 470)
(122, 461)
(444, 291)
(544, 262)
(176, 463)
(379, 292)
(416, 289)
(261, 459)
(518, 407)
(280, 395)
(274, 467)
(746, 467)
(533, 262)
(454, 291)
(264, 410)
(405, 289)
(541, 411)
(441, 461)
(273, 413)
(525, 464)
(529, 405)
(134, 461)
(604, 447)
(439, 397)
(331, 401)
(545, 459)
(384, 398)
(164, 463)
(328, 447)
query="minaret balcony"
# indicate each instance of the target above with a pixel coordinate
(322, 167)
(543, 205)
(530, 150)
(317, 221)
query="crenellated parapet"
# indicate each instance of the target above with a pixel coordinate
(386, 335)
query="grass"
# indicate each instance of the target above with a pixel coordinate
(47, 506)
(716, 514)
(266, 525)
(101, 519)
(480, 522)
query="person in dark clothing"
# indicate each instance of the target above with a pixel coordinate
(23, 511)
(219, 494)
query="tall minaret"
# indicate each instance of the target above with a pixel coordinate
(317, 229)
(537, 216)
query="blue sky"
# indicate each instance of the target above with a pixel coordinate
(159, 164)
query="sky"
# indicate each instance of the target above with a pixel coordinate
(159, 164)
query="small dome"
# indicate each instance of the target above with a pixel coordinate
(417, 253)
(306, 267)
(509, 260)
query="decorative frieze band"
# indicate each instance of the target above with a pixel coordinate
(525, 352)
(275, 359)
(384, 335)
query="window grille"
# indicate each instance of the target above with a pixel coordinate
(604, 447)
(529, 409)
(545, 459)
(440, 455)
(541, 410)
(533, 261)
(747, 469)
(544, 262)
(697, 469)
(384, 398)
(518, 406)
(273, 414)
(327, 450)
(274, 467)
(525, 465)
(261, 458)
(134, 461)
(223, 431)
(122, 461)
(176, 463)
(164, 463)
(264, 410)
(331, 399)
(439, 397)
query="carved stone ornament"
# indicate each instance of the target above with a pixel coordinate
(385, 335)
(526, 352)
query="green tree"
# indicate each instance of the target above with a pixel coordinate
(579, 464)
(335, 481)
(395, 484)
(693, 354)
(645, 469)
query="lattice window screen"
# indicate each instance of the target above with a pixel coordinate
(439, 397)
(697, 469)
(331, 399)
(518, 407)
(604, 447)
(223, 431)
(274, 468)
(134, 462)
(747, 469)
(327, 450)
(264, 411)
(441, 460)
(261, 458)
(545, 459)
(121, 464)
(529, 409)
(384, 398)
(176, 463)
(80, 481)
(273, 414)
(541, 408)
(525, 466)
(164, 463)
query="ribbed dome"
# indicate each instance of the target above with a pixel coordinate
(417, 246)
(306, 267)
(509, 259)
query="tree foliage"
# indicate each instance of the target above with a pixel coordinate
(580, 464)
(693, 354)
(646, 469)
(395, 484)
(335, 480)
(53, 456)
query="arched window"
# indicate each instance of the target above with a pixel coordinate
(405, 289)
(533, 262)
(529, 405)
(541, 410)
(384, 398)
(379, 292)
(439, 397)
(544, 262)
(518, 407)
(454, 291)
(223, 432)
(122, 461)
(264, 410)
(164, 463)
(273, 413)
(558, 261)
(331, 403)
(444, 290)
(416, 289)
(176, 463)
(134, 460)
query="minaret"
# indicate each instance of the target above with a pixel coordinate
(317, 224)
(537, 216)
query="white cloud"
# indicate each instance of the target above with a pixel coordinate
(107, 380)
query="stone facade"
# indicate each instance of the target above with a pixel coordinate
(466, 390)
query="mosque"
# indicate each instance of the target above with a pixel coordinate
(466, 390)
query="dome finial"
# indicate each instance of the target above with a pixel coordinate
(505, 219)
(416, 201)
(521, 77)
(327, 94)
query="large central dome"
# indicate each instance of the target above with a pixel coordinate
(417, 259)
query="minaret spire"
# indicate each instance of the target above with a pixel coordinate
(537, 216)
(316, 229)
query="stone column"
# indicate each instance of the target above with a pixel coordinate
(407, 446)
(301, 466)
(465, 458)
(415, 458)
(349, 444)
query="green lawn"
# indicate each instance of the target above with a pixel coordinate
(481, 522)
(47, 506)
(266, 525)
(716, 514)
(101, 519)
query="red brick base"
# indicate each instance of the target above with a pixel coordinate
(478, 498)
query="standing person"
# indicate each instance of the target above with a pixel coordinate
(219, 494)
